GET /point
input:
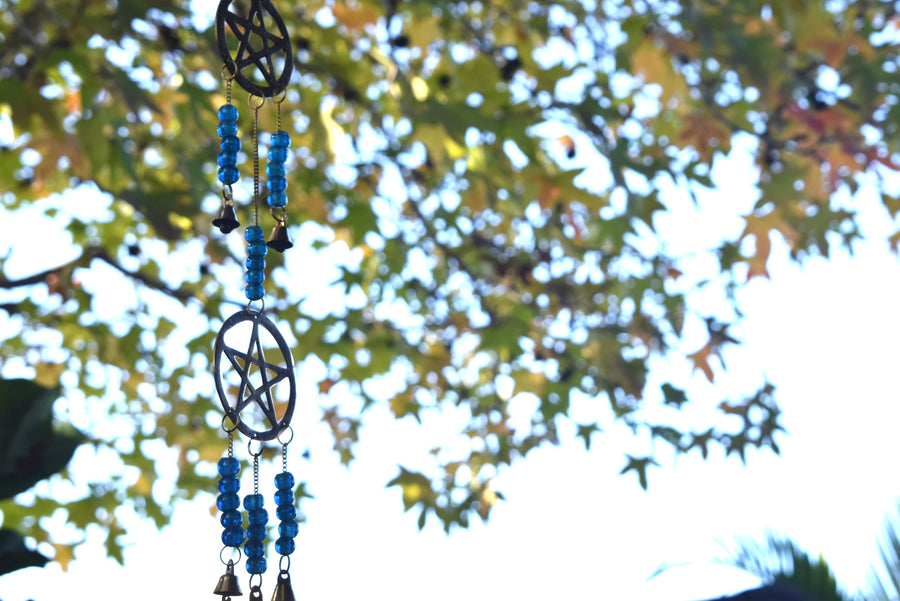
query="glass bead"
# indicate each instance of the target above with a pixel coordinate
(284, 480)
(281, 139)
(228, 466)
(253, 501)
(256, 532)
(257, 516)
(254, 548)
(230, 144)
(256, 263)
(229, 484)
(254, 233)
(275, 170)
(232, 537)
(231, 518)
(229, 175)
(277, 199)
(228, 112)
(288, 528)
(227, 159)
(276, 184)
(227, 502)
(257, 249)
(227, 128)
(286, 512)
(284, 496)
(284, 545)
(254, 291)
(277, 155)
(254, 276)
(256, 565)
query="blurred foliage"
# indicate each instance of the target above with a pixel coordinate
(32, 448)
(488, 176)
(781, 562)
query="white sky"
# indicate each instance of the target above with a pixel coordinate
(825, 334)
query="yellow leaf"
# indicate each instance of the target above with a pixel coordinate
(355, 17)
(654, 65)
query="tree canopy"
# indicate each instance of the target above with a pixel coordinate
(479, 179)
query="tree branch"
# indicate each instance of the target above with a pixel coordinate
(84, 261)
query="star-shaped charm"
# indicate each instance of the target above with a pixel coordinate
(257, 47)
(255, 405)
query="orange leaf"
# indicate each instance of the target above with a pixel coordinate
(701, 361)
(356, 17)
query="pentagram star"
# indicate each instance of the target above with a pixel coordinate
(247, 392)
(246, 54)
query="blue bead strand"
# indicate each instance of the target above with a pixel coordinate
(230, 144)
(286, 512)
(275, 171)
(228, 502)
(255, 547)
(256, 262)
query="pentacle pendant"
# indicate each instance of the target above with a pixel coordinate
(257, 392)
(258, 53)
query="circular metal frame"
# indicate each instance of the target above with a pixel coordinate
(249, 395)
(249, 57)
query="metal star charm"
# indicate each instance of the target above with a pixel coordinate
(256, 47)
(254, 409)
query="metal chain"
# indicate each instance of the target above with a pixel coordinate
(256, 160)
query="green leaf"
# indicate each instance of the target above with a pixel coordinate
(31, 448)
(14, 555)
(639, 466)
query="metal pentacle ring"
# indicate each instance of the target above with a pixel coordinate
(257, 393)
(258, 51)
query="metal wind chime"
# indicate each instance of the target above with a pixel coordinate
(257, 55)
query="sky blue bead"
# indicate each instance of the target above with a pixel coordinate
(254, 276)
(227, 159)
(275, 170)
(284, 496)
(228, 112)
(229, 484)
(256, 531)
(254, 548)
(276, 184)
(284, 480)
(256, 565)
(227, 501)
(277, 199)
(231, 518)
(257, 248)
(254, 233)
(277, 155)
(253, 501)
(256, 263)
(227, 128)
(284, 545)
(288, 528)
(230, 144)
(254, 291)
(257, 516)
(281, 139)
(228, 466)
(232, 537)
(229, 175)
(286, 512)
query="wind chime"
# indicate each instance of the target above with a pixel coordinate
(258, 58)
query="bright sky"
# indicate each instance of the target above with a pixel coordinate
(571, 528)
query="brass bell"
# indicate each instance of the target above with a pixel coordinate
(283, 590)
(228, 583)
(279, 239)
(226, 220)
